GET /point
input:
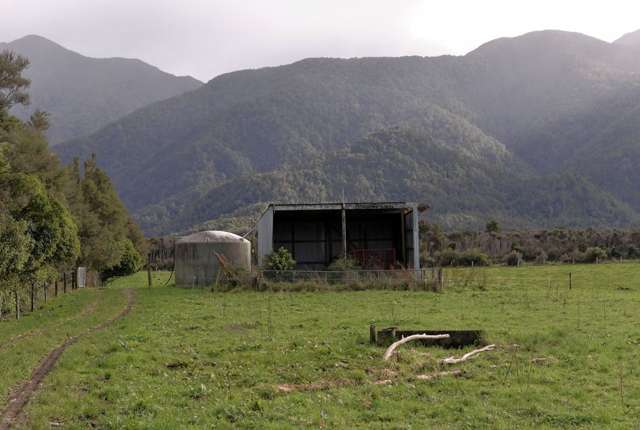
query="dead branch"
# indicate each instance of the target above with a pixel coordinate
(435, 375)
(468, 355)
(316, 386)
(394, 345)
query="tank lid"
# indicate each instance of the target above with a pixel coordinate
(211, 236)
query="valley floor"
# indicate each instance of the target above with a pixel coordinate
(194, 359)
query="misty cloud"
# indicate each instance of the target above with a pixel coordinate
(206, 38)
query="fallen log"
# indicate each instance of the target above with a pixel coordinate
(468, 355)
(389, 352)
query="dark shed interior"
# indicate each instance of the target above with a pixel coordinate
(376, 239)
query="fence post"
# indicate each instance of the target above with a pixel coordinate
(64, 282)
(32, 297)
(570, 281)
(55, 289)
(15, 292)
(149, 270)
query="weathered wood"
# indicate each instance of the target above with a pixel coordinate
(149, 281)
(570, 281)
(436, 375)
(373, 335)
(33, 299)
(468, 355)
(389, 352)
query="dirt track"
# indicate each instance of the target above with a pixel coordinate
(89, 309)
(12, 413)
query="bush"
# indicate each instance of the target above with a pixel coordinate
(344, 264)
(514, 258)
(542, 257)
(594, 254)
(472, 257)
(280, 260)
(130, 262)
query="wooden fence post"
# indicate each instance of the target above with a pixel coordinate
(17, 303)
(149, 270)
(570, 281)
(55, 290)
(32, 298)
(64, 282)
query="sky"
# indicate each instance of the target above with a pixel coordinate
(205, 38)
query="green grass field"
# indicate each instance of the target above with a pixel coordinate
(566, 358)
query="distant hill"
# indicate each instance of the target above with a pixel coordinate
(630, 39)
(83, 94)
(531, 130)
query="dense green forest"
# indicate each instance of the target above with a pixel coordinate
(52, 217)
(539, 130)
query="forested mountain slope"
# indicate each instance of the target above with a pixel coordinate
(516, 130)
(84, 94)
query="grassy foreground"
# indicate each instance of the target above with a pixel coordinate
(196, 359)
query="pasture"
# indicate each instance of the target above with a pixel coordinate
(568, 355)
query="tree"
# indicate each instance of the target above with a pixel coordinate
(492, 226)
(49, 225)
(130, 262)
(12, 84)
(15, 249)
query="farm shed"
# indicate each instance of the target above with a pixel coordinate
(376, 235)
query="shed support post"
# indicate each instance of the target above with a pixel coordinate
(344, 232)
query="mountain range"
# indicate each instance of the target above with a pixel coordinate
(538, 130)
(83, 94)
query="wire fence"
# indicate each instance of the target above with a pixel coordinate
(15, 302)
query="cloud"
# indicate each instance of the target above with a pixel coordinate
(207, 37)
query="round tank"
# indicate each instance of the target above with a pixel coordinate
(196, 264)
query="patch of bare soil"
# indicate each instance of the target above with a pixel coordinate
(12, 413)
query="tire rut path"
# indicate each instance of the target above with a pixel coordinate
(12, 413)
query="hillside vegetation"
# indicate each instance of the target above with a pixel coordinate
(537, 130)
(84, 94)
(52, 217)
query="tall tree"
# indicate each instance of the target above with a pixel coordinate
(13, 86)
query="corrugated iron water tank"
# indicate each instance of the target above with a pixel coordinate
(196, 263)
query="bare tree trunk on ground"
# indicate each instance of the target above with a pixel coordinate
(389, 352)
(468, 355)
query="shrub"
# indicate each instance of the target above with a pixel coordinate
(542, 257)
(343, 264)
(280, 260)
(130, 262)
(492, 226)
(472, 257)
(514, 258)
(594, 254)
